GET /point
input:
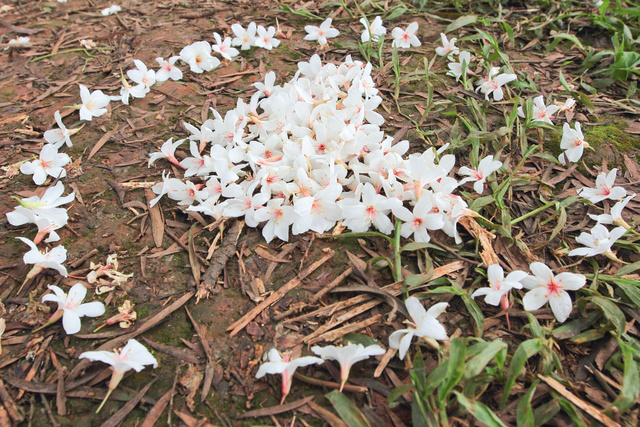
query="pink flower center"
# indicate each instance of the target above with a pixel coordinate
(554, 288)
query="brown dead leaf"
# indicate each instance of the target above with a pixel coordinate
(157, 220)
(191, 381)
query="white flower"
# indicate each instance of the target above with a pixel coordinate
(547, 287)
(244, 38)
(541, 112)
(198, 56)
(448, 47)
(168, 70)
(279, 217)
(568, 105)
(455, 68)
(18, 42)
(373, 209)
(50, 163)
(406, 38)
(93, 103)
(49, 259)
(70, 307)
(347, 356)
(572, 142)
(321, 33)
(61, 136)
(167, 151)
(283, 364)
(132, 356)
(224, 47)
(615, 217)
(493, 85)
(604, 188)
(486, 167)
(499, 286)
(265, 38)
(372, 31)
(420, 221)
(88, 44)
(46, 207)
(424, 325)
(113, 9)
(142, 76)
(598, 241)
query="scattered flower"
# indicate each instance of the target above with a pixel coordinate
(499, 286)
(266, 39)
(70, 307)
(598, 242)
(604, 188)
(406, 38)
(615, 217)
(244, 38)
(573, 143)
(223, 47)
(61, 136)
(347, 356)
(93, 103)
(448, 47)
(321, 33)
(110, 269)
(198, 56)
(546, 287)
(486, 167)
(420, 221)
(541, 112)
(18, 42)
(125, 317)
(132, 356)
(492, 85)
(88, 44)
(49, 259)
(168, 70)
(372, 31)
(142, 76)
(111, 10)
(568, 105)
(50, 163)
(455, 68)
(45, 207)
(167, 151)
(283, 364)
(424, 324)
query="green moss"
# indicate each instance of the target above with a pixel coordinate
(611, 133)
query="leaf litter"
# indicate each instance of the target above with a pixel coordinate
(312, 299)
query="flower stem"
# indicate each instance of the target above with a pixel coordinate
(396, 251)
(104, 400)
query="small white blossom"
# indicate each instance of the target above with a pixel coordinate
(547, 287)
(541, 112)
(572, 142)
(406, 38)
(448, 47)
(423, 324)
(486, 167)
(346, 356)
(598, 242)
(50, 163)
(321, 33)
(70, 307)
(604, 188)
(492, 84)
(372, 30)
(285, 365)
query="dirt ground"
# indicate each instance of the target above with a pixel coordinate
(111, 215)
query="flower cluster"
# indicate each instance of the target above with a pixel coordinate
(307, 154)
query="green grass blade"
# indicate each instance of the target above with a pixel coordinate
(522, 354)
(347, 410)
(480, 411)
